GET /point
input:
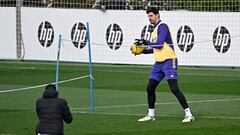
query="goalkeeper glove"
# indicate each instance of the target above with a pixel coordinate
(140, 42)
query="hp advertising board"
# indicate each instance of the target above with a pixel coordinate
(114, 36)
(79, 35)
(221, 39)
(45, 34)
(207, 44)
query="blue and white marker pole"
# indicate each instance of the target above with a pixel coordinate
(57, 65)
(90, 69)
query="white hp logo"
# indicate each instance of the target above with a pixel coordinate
(114, 36)
(185, 38)
(45, 34)
(221, 39)
(147, 35)
(79, 35)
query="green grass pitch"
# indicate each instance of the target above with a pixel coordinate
(120, 99)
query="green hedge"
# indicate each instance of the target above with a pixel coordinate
(209, 5)
(190, 5)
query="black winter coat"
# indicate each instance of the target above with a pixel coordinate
(52, 111)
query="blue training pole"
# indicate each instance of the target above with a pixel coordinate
(57, 65)
(90, 69)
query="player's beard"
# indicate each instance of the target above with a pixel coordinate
(151, 21)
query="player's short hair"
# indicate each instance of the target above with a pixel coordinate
(50, 87)
(154, 10)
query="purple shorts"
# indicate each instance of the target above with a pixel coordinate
(166, 68)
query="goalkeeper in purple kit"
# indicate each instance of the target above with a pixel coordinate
(161, 46)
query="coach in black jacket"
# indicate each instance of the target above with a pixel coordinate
(51, 112)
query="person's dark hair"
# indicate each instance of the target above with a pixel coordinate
(154, 10)
(50, 87)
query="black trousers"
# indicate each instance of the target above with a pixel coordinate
(173, 84)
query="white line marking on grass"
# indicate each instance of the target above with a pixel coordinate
(43, 85)
(129, 114)
(213, 117)
(186, 74)
(126, 71)
(123, 65)
(166, 103)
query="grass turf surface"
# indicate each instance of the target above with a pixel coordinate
(120, 99)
